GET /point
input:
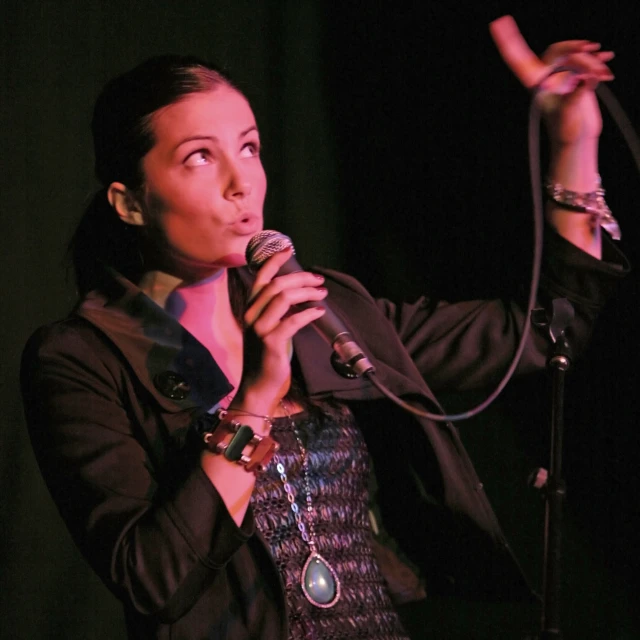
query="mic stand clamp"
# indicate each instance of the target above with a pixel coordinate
(552, 482)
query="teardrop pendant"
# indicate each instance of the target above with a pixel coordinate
(319, 581)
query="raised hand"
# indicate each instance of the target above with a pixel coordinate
(564, 78)
(566, 97)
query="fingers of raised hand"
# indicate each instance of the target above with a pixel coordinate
(515, 51)
(559, 50)
(580, 57)
(584, 70)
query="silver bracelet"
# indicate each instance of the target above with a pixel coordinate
(266, 419)
(592, 202)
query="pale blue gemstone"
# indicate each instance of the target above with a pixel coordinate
(318, 582)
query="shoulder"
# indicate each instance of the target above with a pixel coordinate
(71, 343)
(71, 334)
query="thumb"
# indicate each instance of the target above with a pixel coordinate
(524, 63)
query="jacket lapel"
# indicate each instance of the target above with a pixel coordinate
(174, 367)
(181, 374)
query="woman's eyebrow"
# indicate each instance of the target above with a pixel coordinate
(253, 127)
(192, 138)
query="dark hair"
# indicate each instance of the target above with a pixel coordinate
(122, 136)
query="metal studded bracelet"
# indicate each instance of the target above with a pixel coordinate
(592, 202)
(246, 447)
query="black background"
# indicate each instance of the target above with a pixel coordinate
(395, 144)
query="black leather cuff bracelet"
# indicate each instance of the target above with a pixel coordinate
(246, 447)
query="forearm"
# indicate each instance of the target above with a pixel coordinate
(233, 482)
(575, 166)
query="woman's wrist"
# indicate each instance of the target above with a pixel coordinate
(234, 435)
(256, 404)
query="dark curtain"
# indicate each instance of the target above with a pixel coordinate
(395, 145)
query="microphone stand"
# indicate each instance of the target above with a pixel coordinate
(552, 482)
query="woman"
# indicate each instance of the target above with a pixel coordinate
(155, 405)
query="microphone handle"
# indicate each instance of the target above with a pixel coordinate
(332, 329)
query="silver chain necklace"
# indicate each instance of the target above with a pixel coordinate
(318, 579)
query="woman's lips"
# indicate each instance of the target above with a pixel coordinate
(247, 224)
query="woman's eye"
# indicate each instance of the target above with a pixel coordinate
(198, 158)
(250, 149)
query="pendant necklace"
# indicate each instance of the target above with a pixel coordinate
(318, 579)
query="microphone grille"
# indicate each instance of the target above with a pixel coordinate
(263, 245)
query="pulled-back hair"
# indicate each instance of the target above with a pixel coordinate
(122, 136)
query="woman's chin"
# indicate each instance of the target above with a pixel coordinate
(233, 260)
(190, 268)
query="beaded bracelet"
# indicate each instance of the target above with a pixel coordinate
(260, 448)
(592, 202)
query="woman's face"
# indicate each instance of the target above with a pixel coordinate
(204, 181)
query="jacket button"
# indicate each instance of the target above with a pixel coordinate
(172, 385)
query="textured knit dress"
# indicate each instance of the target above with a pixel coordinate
(338, 471)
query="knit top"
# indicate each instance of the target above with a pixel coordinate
(338, 469)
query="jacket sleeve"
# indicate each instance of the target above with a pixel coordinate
(156, 549)
(469, 345)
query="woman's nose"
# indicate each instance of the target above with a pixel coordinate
(244, 189)
(237, 184)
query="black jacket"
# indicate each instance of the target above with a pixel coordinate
(111, 392)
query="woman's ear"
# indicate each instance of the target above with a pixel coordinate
(125, 204)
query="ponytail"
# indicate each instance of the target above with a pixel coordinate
(102, 238)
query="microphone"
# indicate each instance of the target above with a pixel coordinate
(266, 243)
